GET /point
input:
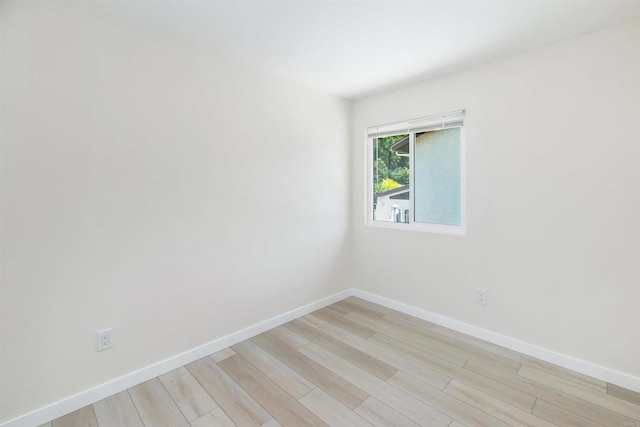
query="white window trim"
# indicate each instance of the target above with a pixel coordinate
(454, 230)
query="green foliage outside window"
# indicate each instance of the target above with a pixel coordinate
(389, 169)
(389, 184)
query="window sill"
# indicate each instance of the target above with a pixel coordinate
(451, 230)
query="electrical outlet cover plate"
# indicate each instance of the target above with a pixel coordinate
(105, 339)
(481, 296)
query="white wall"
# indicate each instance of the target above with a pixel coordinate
(170, 194)
(553, 200)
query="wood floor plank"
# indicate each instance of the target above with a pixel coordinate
(369, 305)
(495, 358)
(455, 345)
(331, 315)
(392, 358)
(285, 409)
(476, 342)
(45, 425)
(331, 411)
(314, 321)
(341, 390)
(215, 418)
(192, 400)
(222, 354)
(559, 416)
(494, 388)
(580, 379)
(291, 339)
(421, 342)
(285, 377)
(155, 406)
(233, 400)
(449, 348)
(350, 307)
(604, 400)
(370, 364)
(411, 407)
(338, 307)
(117, 410)
(494, 407)
(562, 400)
(381, 415)
(623, 393)
(272, 423)
(84, 417)
(446, 404)
(408, 323)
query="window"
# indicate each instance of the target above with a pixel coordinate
(415, 177)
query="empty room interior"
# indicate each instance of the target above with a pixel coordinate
(327, 213)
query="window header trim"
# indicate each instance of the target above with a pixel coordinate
(438, 121)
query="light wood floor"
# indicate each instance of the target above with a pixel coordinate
(358, 364)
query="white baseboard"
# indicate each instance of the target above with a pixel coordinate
(587, 368)
(80, 400)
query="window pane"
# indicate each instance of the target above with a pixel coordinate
(437, 177)
(391, 178)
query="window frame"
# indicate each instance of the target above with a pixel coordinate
(455, 230)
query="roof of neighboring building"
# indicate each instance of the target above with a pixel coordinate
(401, 147)
(394, 191)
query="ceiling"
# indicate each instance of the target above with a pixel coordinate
(357, 48)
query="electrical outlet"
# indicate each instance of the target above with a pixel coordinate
(481, 296)
(105, 339)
